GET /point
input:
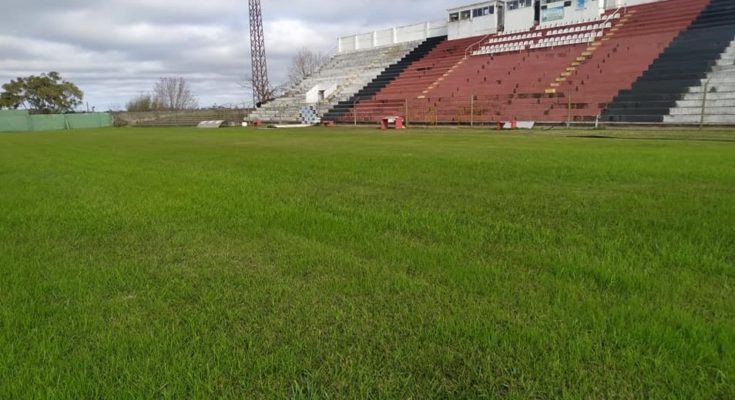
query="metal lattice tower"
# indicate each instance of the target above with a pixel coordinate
(261, 88)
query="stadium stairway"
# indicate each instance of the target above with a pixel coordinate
(546, 75)
(683, 64)
(388, 75)
(347, 72)
(712, 101)
(413, 82)
(633, 64)
(505, 77)
(500, 87)
(616, 60)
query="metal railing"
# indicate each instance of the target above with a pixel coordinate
(609, 17)
(472, 110)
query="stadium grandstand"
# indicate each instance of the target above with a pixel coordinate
(635, 61)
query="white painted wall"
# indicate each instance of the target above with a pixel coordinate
(312, 96)
(365, 41)
(438, 28)
(384, 37)
(478, 26)
(519, 19)
(473, 26)
(411, 33)
(515, 20)
(580, 10)
(624, 3)
(392, 36)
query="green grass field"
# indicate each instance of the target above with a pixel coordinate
(336, 264)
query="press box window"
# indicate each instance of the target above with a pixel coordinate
(465, 14)
(453, 17)
(481, 12)
(516, 4)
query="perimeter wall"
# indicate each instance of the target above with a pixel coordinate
(22, 121)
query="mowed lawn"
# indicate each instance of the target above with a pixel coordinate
(336, 264)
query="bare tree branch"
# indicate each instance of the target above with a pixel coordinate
(174, 94)
(273, 91)
(304, 64)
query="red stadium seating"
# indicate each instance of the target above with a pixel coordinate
(623, 57)
(566, 81)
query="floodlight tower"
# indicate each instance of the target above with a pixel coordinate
(261, 90)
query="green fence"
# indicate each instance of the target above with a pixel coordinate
(21, 121)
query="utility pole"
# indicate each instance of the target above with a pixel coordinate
(261, 87)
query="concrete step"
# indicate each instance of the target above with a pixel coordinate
(716, 87)
(695, 119)
(720, 79)
(709, 103)
(708, 110)
(719, 107)
(710, 95)
(724, 69)
(349, 72)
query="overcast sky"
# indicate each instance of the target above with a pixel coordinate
(116, 49)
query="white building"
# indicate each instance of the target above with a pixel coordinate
(517, 15)
(478, 19)
(488, 17)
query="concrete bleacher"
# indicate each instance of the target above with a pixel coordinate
(620, 58)
(535, 74)
(491, 85)
(415, 81)
(342, 108)
(580, 78)
(347, 73)
(684, 63)
(630, 64)
(718, 106)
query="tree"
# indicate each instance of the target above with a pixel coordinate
(304, 64)
(174, 94)
(46, 94)
(273, 91)
(13, 95)
(143, 103)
